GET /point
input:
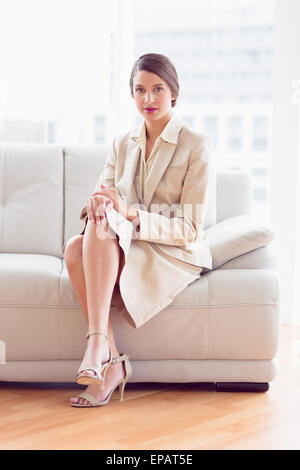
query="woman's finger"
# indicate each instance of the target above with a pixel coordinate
(90, 211)
(102, 201)
(109, 207)
(97, 208)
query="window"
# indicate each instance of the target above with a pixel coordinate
(260, 172)
(189, 121)
(75, 69)
(260, 133)
(260, 194)
(210, 127)
(55, 69)
(235, 133)
(100, 129)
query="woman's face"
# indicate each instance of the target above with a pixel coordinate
(151, 91)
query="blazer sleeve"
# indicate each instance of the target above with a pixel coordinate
(184, 223)
(107, 177)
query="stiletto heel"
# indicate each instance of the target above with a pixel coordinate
(100, 372)
(121, 384)
(121, 390)
(128, 369)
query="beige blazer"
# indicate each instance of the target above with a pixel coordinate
(175, 193)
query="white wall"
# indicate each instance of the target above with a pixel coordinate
(285, 206)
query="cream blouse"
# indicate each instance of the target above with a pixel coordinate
(143, 167)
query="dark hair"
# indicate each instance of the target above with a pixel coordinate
(161, 66)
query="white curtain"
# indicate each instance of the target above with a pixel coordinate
(285, 162)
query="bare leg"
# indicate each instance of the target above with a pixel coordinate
(75, 265)
(100, 259)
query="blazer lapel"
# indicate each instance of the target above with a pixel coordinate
(159, 166)
(126, 183)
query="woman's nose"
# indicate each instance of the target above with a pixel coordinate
(148, 97)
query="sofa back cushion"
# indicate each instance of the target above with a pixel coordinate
(43, 188)
(31, 195)
(83, 165)
(234, 190)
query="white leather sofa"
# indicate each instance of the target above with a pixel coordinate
(222, 329)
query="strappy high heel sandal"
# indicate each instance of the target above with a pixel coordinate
(121, 384)
(100, 372)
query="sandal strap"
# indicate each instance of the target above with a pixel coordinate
(92, 368)
(90, 333)
(87, 396)
(95, 369)
(120, 358)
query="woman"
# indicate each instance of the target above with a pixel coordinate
(143, 240)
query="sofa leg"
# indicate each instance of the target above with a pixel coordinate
(242, 386)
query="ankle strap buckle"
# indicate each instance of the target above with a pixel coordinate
(90, 333)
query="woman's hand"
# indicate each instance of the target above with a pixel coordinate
(114, 197)
(97, 206)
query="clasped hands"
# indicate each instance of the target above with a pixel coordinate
(101, 202)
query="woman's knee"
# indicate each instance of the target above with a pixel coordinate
(73, 249)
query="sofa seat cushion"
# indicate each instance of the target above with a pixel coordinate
(226, 314)
(29, 280)
(217, 287)
(236, 320)
(230, 287)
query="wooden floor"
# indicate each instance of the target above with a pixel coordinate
(159, 416)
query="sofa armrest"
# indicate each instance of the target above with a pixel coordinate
(236, 236)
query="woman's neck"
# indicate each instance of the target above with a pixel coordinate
(155, 128)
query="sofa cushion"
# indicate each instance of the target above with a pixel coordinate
(236, 236)
(83, 165)
(229, 185)
(29, 280)
(260, 258)
(31, 197)
(226, 314)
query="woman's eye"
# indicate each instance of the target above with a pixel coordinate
(157, 88)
